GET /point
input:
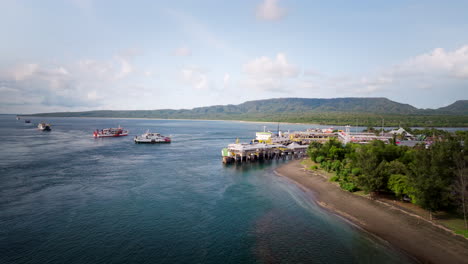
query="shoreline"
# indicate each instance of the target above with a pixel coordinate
(416, 237)
(228, 120)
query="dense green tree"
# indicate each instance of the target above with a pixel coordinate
(427, 176)
(398, 184)
(431, 175)
(460, 185)
(333, 149)
(313, 150)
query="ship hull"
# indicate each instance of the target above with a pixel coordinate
(151, 142)
(104, 136)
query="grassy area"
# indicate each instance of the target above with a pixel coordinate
(361, 193)
(314, 166)
(453, 222)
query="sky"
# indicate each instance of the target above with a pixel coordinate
(79, 55)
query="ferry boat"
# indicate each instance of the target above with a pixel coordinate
(110, 132)
(152, 138)
(44, 126)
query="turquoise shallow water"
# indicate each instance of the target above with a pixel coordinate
(66, 197)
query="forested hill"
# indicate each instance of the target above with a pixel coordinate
(459, 107)
(281, 105)
(335, 111)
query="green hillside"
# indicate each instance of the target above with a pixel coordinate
(459, 107)
(335, 111)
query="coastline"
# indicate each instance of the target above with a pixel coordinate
(181, 119)
(226, 120)
(416, 237)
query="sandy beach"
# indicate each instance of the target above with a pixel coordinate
(415, 236)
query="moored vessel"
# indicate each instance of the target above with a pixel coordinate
(110, 132)
(44, 126)
(152, 138)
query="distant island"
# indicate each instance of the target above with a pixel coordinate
(366, 112)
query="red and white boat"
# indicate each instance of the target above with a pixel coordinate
(110, 132)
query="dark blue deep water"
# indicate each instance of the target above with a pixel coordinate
(66, 197)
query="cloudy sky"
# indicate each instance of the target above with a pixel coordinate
(72, 55)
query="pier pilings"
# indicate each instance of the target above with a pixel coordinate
(242, 153)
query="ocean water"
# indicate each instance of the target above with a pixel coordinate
(66, 197)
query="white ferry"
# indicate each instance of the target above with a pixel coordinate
(44, 127)
(110, 132)
(152, 138)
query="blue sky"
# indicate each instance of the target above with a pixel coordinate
(74, 55)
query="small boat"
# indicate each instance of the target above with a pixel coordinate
(18, 118)
(110, 132)
(152, 138)
(44, 126)
(27, 121)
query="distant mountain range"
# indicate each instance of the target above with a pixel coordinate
(304, 110)
(460, 107)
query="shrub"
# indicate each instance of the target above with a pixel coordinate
(336, 165)
(335, 178)
(348, 186)
(326, 165)
(356, 171)
(344, 173)
(319, 159)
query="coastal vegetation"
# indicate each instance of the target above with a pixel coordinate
(434, 178)
(336, 111)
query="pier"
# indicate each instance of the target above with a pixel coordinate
(239, 153)
(289, 145)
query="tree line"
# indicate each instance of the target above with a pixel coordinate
(324, 118)
(433, 177)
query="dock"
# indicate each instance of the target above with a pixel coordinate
(239, 153)
(290, 145)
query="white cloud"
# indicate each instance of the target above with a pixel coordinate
(226, 80)
(125, 68)
(437, 68)
(149, 73)
(95, 68)
(443, 73)
(195, 77)
(269, 10)
(270, 74)
(5, 89)
(92, 95)
(452, 64)
(368, 86)
(274, 68)
(182, 52)
(23, 71)
(54, 87)
(313, 73)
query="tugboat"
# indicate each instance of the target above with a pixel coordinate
(152, 138)
(110, 132)
(44, 126)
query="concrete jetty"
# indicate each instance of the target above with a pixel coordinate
(289, 145)
(239, 153)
